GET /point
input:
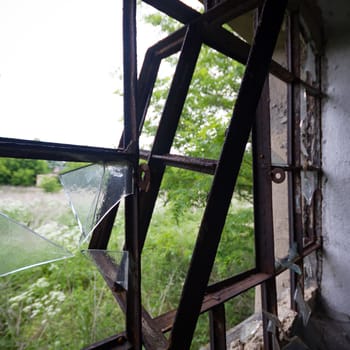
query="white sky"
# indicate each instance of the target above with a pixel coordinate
(60, 62)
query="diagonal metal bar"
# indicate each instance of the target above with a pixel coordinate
(218, 15)
(151, 334)
(226, 174)
(175, 9)
(168, 123)
(220, 39)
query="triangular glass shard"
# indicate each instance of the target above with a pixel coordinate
(94, 190)
(22, 248)
(303, 307)
(111, 264)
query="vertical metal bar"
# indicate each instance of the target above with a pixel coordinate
(263, 212)
(130, 71)
(217, 323)
(294, 179)
(133, 302)
(226, 174)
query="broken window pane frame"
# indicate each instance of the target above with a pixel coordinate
(308, 60)
(242, 26)
(159, 95)
(280, 53)
(279, 121)
(281, 228)
(171, 238)
(43, 72)
(208, 106)
(242, 323)
(23, 248)
(311, 205)
(236, 251)
(94, 190)
(310, 129)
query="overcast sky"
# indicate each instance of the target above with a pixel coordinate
(60, 64)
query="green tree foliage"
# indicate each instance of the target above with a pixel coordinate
(50, 184)
(204, 120)
(21, 172)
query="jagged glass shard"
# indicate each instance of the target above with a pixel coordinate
(287, 262)
(94, 190)
(111, 264)
(303, 308)
(22, 248)
(272, 326)
(308, 184)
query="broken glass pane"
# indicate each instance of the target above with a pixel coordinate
(303, 307)
(272, 326)
(22, 248)
(309, 129)
(94, 190)
(279, 121)
(111, 264)
(307, 62)
(308, 184)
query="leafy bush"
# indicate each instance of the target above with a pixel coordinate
(50, 184)
(21, 172)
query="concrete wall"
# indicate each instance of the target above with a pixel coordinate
(335, 286)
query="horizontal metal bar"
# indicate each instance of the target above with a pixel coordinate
(17, 148)
(165, 322)
(230, 288)
(226, 290)
(287, 167)
(201, 165)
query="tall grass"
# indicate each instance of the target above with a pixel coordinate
(66, 305)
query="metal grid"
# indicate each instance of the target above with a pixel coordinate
(251, 114)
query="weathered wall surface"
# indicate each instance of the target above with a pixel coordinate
(336, 157)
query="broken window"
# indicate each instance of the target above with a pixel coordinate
(277, 110)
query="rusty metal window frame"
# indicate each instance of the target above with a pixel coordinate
(198, 28)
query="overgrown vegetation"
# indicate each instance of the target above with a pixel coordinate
(21, 172)
(67, 305)
(50, 184)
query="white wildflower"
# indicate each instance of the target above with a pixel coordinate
(42, 282)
